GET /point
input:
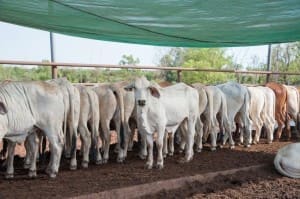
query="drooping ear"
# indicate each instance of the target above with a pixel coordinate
(154, 91)
(3, 109)
(129, 87)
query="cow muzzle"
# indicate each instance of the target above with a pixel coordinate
(141, 102)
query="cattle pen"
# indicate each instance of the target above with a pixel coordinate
(54, 68)
(210, 174)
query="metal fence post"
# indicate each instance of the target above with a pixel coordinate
(269, 63)
(178, 75)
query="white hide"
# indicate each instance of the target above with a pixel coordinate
(164, 110)
(30, 105)
(89, 114)
(256, 110)
(217, 105)
(268, 112)
(287, 160)
(237, 98)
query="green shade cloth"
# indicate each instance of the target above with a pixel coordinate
(185, 23)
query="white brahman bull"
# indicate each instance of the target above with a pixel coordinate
(25, 106)
(237, 99)
(203, 102)
(217, 106)
(256, 111)
(268, 113)
(163, 109)
(72, 108)
(89, 115)
(293, 105)
(125, 107)
(287, 160)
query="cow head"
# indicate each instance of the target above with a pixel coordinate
(144, 91)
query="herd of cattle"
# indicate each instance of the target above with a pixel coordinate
(34, 110)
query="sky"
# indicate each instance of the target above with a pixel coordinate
(27, 44)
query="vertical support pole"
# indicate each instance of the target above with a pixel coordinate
(269, 63)
(53, 68)
(179, 76)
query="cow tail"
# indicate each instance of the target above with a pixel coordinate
(210, 118)
(298, 114)
(72, 135)
(92, 101)
(118, 93)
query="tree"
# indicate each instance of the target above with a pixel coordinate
(129, 60)
(212, 58)
(286, 58)
(173, 58)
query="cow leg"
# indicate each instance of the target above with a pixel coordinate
(182, 134)
(149, 140)
(27, 145)
(143, 150)
(213, 138)
(131, 137)
(199, 135)
(95, 142)
(56, 146)
(86, 144)
(189, 152)
(127, 134)
(33, 142)
(171, 144)
(10, 159)
(73, 162)
(165, 144)
(106, 139)
(228, 134)
(159, 144)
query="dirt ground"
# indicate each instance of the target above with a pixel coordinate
(264, 183)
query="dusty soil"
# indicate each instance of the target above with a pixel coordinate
(114, 175)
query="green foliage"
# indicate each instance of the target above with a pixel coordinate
(174, 58)
(286, 58)
(213, 58)
(129, 60)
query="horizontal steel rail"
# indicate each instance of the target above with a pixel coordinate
(180, 69)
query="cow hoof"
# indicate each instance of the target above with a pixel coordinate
(141, 156)
(73, 167)
(26, 166)
(165, 155)
(85, 164)
(159, 166)
(9, 176)
(32, 174)
(67, 155)
(269, 142)
(104, 161)
(213, 148)
(232, 147)
(198, 150)
(221, 146)
(170, 154)
(52, 175)
(129, 149)
(148, 166)
(98, 162)
(183, 160)
(120, 160)
(247, 146)
(180, 150)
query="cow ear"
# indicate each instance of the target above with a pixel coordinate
(154, 91)
(3, 109)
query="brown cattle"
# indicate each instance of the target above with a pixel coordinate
(280, 107)
(165, 84)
